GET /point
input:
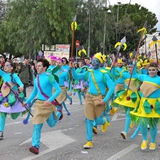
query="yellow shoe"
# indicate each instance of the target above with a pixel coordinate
(131, 124)
(95, 130)
(144, 144)
(124, 135)
(152, 146)
(113, 110)
(123, 110)
(108, 124)
(88, 145)
(105, 126)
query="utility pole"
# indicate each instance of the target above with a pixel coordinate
(104, 34)
(89, 26)
(117, 21)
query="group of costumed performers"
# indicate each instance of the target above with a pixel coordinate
(96, 96)
(140, 99)
(134, 87)
(46, 108)
(148, 110)
(11, 88)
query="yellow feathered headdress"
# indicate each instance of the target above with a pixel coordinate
(145, 62)
(139, 64)
(119, 60)
(99, 56)
(104, 57)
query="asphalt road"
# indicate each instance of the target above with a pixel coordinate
(65, 141)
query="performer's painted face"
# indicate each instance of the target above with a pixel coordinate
(64, 61)
(152, 71)
(59, 63)
(102, 65)
(119, 64)
(40, 68)
(7, 67)
(130, 68)
(95, 63)
(52, 62)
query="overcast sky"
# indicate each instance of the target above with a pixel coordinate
(151, 5)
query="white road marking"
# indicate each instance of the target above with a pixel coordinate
(19, 122)
(123, 152)
(53, 140)
(13, 123)
(75, 110)
(115, 117)
(74, 103)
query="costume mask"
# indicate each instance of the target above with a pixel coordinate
(95, 63)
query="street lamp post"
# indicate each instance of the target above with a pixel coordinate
(118, 11)
(104, 34)
(89, 26)
(117, 20)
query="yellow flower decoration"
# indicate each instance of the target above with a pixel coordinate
(6, 104)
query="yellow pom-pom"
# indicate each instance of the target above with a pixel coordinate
(6, 104)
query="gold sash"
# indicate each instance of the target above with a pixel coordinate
(119, 87)
(5, 89)
(62, 97)
(134, 87)
(147, 89)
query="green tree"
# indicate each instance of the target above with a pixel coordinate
(131, 18)
(97, 13)
(30, 24)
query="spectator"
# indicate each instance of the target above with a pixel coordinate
(87, 62)
(25, 74)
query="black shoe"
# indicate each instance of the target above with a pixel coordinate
(1, 135)
(95, 130)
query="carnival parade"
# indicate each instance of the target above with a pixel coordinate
(61, 100)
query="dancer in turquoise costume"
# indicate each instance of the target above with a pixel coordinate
(129, 97)
(77, 86)
(8, 102)
(108, 107)
(65, 64)
(52, 63)
(145, 64)
(96, 96)
(44, 110)
(120, 81)
(66, 68)
(63, 77)
(148, 111)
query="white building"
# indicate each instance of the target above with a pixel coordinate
(151, 50)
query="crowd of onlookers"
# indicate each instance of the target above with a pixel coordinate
(26, 69)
